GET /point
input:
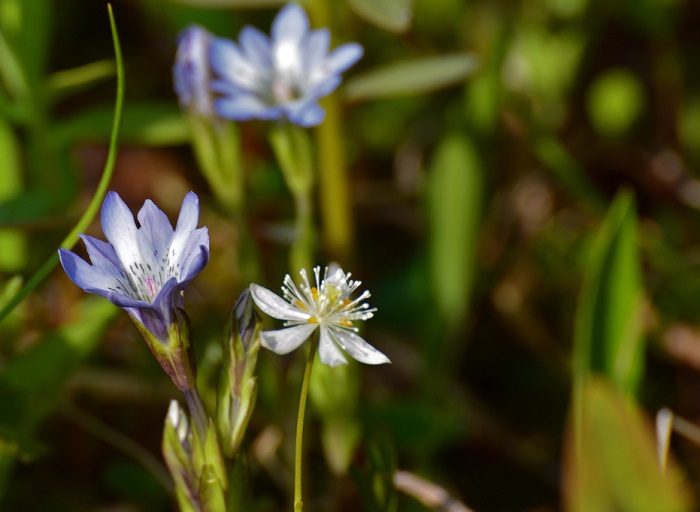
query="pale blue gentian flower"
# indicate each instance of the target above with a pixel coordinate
(145, 270)
(326, 306)
(281, 77)
(191, 72)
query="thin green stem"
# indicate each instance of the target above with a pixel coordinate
(101, 191)
(298, 502)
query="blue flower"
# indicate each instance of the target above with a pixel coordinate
(144, 270)
(281, 77)
(191, 73)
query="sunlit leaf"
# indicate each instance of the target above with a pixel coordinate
(411, 77)
(76, 79)
(615, 101)
(391, 15)
(147, 123)
(12, 248)
(611, 462)
(608, 323)
(454, 199)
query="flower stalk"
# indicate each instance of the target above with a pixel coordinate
(292, 148)
(298, 445)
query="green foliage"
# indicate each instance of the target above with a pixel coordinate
(608, 324)
(611, 460)
(454, 205)
(411, 77)
(391, 15)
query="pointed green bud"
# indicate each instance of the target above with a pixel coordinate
(195, 465)
(238, 386)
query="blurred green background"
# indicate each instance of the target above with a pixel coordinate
(524, 193)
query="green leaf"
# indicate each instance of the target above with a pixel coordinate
(77, 79)
(154, 124)
(608, 322)
(611, 462)
(12, 242)
(454, 198)
(391, 15)
(411, 77)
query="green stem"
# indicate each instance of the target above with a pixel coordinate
(298, 502)
(292, 149)
(302, 250)
(197, 412)
(101, 191)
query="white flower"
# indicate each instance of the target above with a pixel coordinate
(326, 305)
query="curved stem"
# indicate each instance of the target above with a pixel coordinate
(298, 502)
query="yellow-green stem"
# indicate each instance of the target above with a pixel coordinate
(298, 502)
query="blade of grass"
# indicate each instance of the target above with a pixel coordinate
(101, 191)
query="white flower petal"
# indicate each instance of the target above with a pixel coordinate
(283, 341)
(358, 348)
(328, 352)
(277, 307)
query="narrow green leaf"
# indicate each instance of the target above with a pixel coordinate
(454, 198)
(611, 462)
(12, 242)
(608, 322)
(76, 79)
(153, 124)
(391, 15)
(411, 77)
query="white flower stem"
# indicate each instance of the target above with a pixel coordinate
(298, 502)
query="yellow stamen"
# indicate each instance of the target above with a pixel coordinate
(312, 320)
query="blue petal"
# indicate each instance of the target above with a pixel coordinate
(156, 230)
(256, 47)
(315, 48)
(120, 229)
(305, 113)
(102, 255)
(342, 58)
(87, 277)
(290, 24)
(324, 87)
(231, 65)
(191, 69)
(245, 107)
(189, 214)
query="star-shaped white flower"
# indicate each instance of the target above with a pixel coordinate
(326, 306)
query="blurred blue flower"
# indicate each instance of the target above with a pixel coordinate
(326, 306)
(143, 270)
(191, 73)
(281, 77)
